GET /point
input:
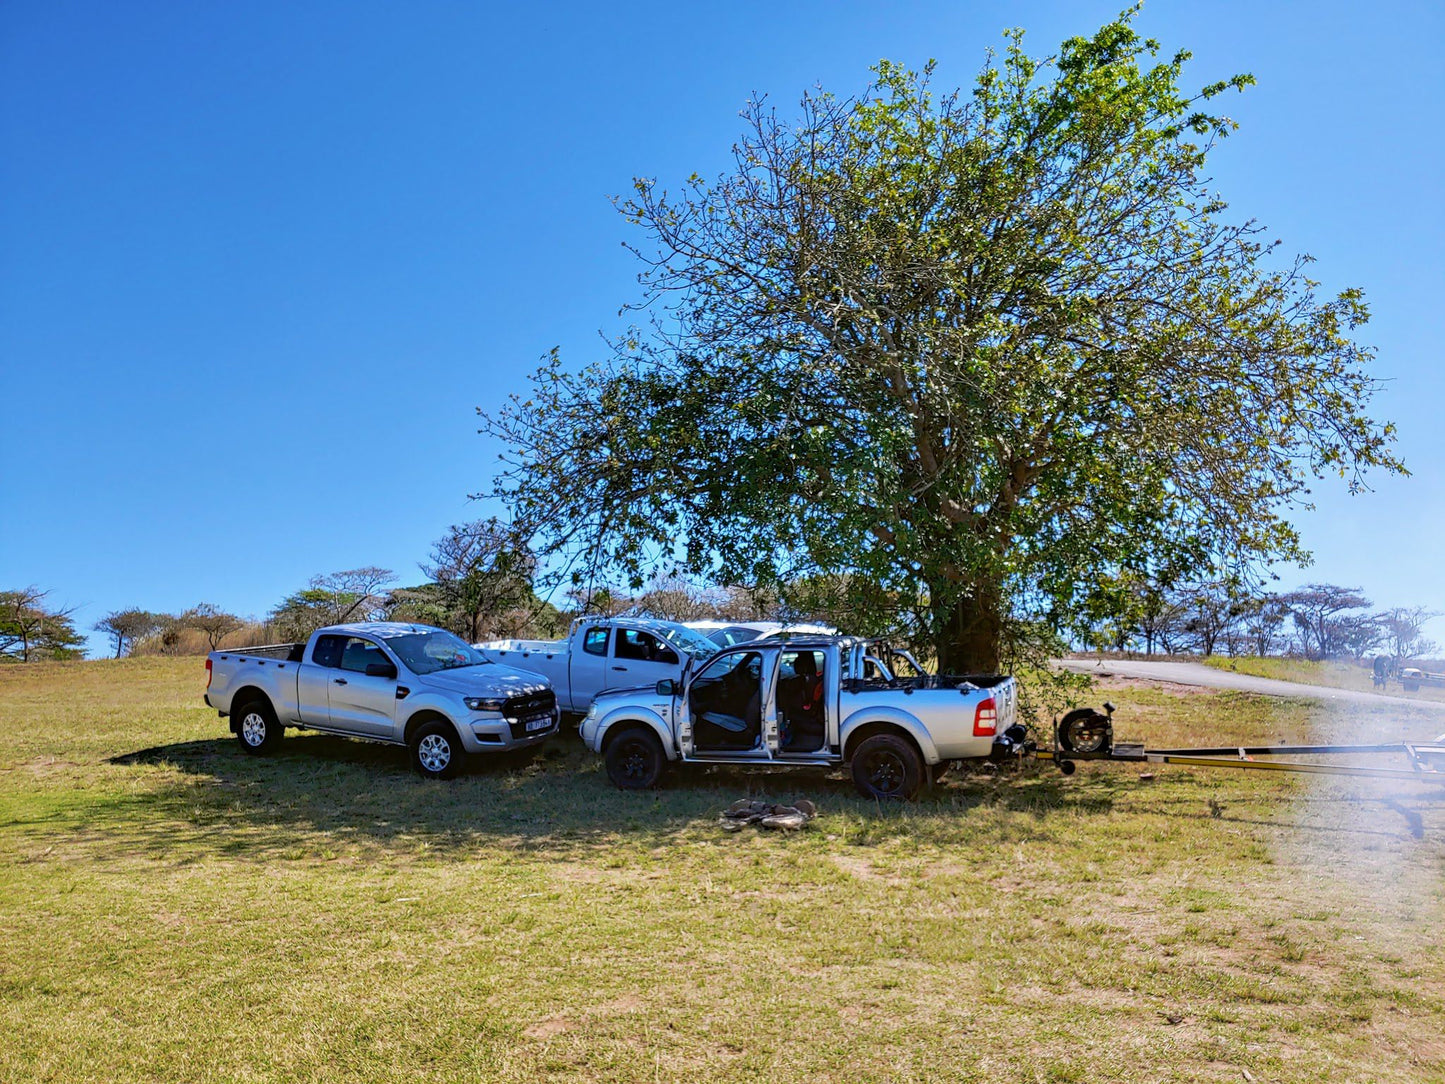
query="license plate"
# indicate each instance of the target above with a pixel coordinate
(538, 724)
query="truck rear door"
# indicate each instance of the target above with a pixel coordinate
(587, 662)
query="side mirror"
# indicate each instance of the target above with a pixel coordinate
(381, 670)
(666, 687)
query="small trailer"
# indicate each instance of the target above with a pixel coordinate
(1087, 734)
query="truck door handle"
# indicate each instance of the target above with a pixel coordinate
(619, 668)
(339, 681)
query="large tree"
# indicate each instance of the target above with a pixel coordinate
(212, 622)
(481, 583)
(353, 594)
(979, 349)
(30, 628)
(125, 627)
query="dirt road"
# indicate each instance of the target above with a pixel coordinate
(1193, 673)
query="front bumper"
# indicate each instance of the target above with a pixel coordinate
(497, 733)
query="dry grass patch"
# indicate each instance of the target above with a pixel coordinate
(177, 911)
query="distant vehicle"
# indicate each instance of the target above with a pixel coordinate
(807, 702)
(385, 681)
(729, 633)
(1412, 677)
(601, 653)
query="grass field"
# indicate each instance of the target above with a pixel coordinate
(1333, 673)
(175, 911)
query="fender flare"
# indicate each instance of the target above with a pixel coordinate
(894, 718)
(621, 717)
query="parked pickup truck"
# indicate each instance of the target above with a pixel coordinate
(819, 701)
(406, 684)
(605, 653)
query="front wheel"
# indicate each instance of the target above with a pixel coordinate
(635, 760)
(436, 753)
(886, 766)
(257, 728)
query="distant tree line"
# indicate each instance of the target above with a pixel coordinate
(1218, 617)
(479, 582)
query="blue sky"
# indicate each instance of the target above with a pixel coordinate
(259, 263)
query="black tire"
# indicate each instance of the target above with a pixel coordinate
(1084, 731)
(635, 760)
(257, 728)
(436, 751)
(887, 767)
(1411, 686)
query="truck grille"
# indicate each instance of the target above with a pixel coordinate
(529, 707)
(520, 710)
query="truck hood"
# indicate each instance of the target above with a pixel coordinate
(491, 680)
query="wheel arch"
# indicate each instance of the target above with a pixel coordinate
(611, 727)
(242, 698)
(861, 727)
(419, 718)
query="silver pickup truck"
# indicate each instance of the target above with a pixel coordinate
(807, 701)
(605, 653)
(405, 684)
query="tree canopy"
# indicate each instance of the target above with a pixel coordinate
(31, 629)
(978, 351)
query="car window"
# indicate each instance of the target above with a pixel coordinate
(643, 646)
(327, 651)
(359, 653)
(595, 642)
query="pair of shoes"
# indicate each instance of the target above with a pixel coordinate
(746, 811)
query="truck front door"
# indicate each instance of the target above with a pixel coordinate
(728, 709)
(640, 658)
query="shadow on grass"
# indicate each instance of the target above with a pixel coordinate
(556, 797)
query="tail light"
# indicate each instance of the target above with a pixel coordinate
(985, 718)
(208, 674)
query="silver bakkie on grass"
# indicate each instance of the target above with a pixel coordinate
(807, 701)
(385, 681)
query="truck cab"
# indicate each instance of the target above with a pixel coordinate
(605, 653)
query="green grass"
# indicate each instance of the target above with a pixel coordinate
(1332, 673)
(175, 911)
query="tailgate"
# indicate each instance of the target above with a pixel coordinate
(1006, 700)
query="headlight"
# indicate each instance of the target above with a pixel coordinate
(483, 703)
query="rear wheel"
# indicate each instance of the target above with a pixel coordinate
(635, 760)
(886, 766)
(257, 728)
(436, 753)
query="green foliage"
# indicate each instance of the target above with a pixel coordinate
(350, 595)
(980, 350)
(31, 630)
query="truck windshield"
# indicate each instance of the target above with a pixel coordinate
(428, 652)
(691, 641)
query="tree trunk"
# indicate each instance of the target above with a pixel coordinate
(968, 633)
